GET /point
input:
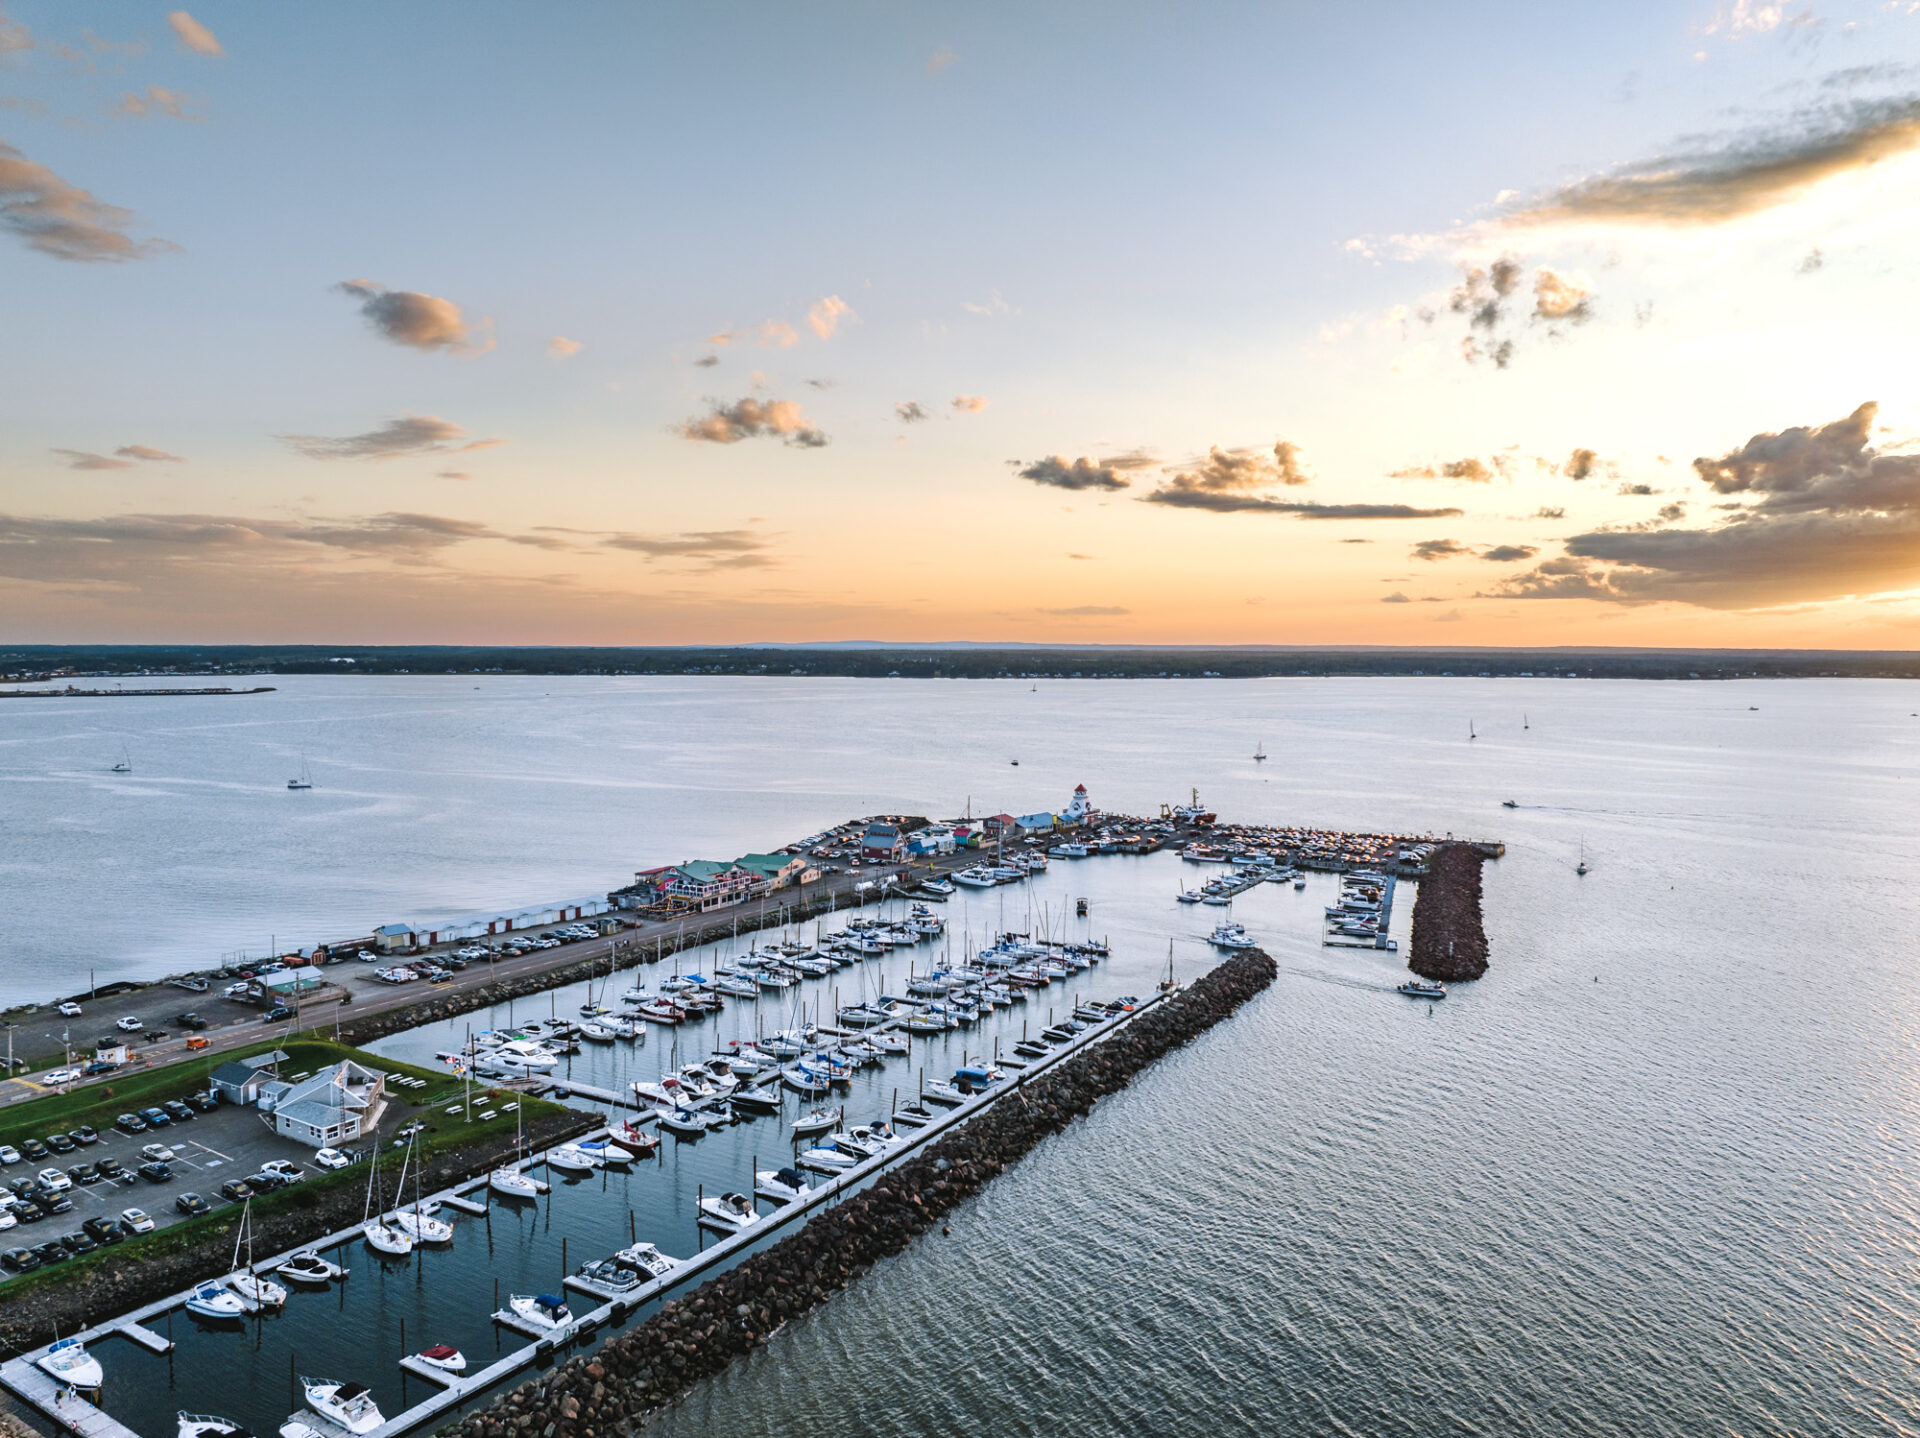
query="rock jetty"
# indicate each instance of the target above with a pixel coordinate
(697, 1336)
(1449, 939)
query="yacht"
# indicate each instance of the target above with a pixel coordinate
(820, 1120)
(571, 1158)
(347, 1405)
(975, 878)
(783, 1185)
(648, 1259)
(216, 1302)
(306, 1266)
(542, 1310)
(524, 1056)
(69, 1362)
(1230, 936)
(445, 1357)
(1423, 989)
(206, 1425)
(730, 1212)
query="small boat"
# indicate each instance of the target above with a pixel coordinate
(730, 1212)
(1028, 1049)
(596, 1032)
(687, 1122)
(422, 1227)
(826, 1157)
(1581, 867)
(1508, 804)
(385, 1239)
(783, 1185)
(820, 1120)
(69, 1362)
(634, 1139)
(1423, 989)
(260, 1292)
(445, 1357)
(605, 1153)
(543, 1310)
(571, 1158)
(207, 1425)
(1260, 752)
(892, 1043)
(510, 1182)
(1230, 936)
(942, 1093)
(306, 1266)
(305, 781)
(937, 886)
(648, 1259)
(914, 1115)
(756, 1101)
(125, 766)
(216, 1303)
(349, 1405)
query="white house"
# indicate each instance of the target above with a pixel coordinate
(339, 1103)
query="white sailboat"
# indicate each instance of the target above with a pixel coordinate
(125, 766)
(381, 1236)
(252, 1288)
(507, 1180)
(418, 1222)
(1260, 752)
(305, 781)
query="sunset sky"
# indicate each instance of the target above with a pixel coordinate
(622, 323)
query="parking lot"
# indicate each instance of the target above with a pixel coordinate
(227, 1143)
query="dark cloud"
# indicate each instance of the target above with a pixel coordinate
(1832, 517)
(1474, 471)
(751, 418)
(707, 361)
(1083, 473)
(148, 453)
(1432, 549)
(1674, 512)
(1580, 464)
(1744, 175)
(1509, 553)
(1482, 294)
(407, 317)
(396, 439)
(62, 220)
(1395, 598)
(1177, 496)
(1637, 489)
(81, 459)
(1547, 511)
(910, 412)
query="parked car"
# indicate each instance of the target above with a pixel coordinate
(54, 1078)
(266, 1182)
(78, 1243)
(235, 1190)
(84, 1134)
(9, 1154)
(286, 1168)
(70, 1010)
(155, 1117)
(111, 1167)
(20, 1260)
(52, 1178)
(276, 1013)
(52, 1251)
(178, 1112)
(331, 1158)
(84, 1173)
(49, 1201)
(240, 990)
(103, 1230)
(190, 1021)
(196, 1043)
(129, 1025)
(60, 1143)
(155, 1173)
(136, 1220)
(130, 1123)
(33, 1149)
(157, 1153)
(192, 1204)
(206, 1101)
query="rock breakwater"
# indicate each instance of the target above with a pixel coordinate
(1449, 938)
(695, 1337)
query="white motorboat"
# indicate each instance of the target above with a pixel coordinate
(783, 1185)
(670, 1092)
(445, 1357)
(347, 1405)
(648, 1259)
(937, 886)
(524, 1056)
(298, 1427)
(975, 878)
(422, 1227)
(892, 1043)
(1423, 989)
(729, 1212)
(687, 1122)
(208, 1425)
(1067, 851)
(866, 1139)
(510, 1182)
(69, 1362)
(819, 1120)
(941, 1092)
(542, 1310)
(1230, 936)
(571, 1158)
(308, 1267)
(826, 1157)
(216, 1302)
(596, 1032)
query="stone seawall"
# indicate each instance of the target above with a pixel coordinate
(1449, 939)
(695, 1337)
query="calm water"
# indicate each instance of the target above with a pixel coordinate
(1680, 1199)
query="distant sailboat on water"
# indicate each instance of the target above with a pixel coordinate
(1260, 752)
(1581, 867)
(305, 781)
(125, 766)
(1470, 733)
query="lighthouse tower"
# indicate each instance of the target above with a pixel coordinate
(1080, 809)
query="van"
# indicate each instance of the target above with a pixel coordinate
(196, 1043)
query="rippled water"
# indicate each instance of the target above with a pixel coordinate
(1654, 1175)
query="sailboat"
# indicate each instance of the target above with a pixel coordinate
(1260, 752)
(1523, 721)
(1581, 867)
(252, 1288)
(381, 1237)
(305, 781)
(1470, 733)
(418, 1223)
(507, 1180)
(125, 766)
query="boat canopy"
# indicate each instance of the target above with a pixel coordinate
(547, 1300)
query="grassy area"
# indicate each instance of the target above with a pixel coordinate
(444, 1133)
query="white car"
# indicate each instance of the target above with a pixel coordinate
(284, 1168)
(137, 1220)
(56, 1077)
(7, 1220)
(331, 1158)
(157, 1153)
(129, 1024)
(70, 1009)
(236, 991)
(54, 1179)
(9, 1154)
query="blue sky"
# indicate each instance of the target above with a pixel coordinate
(1161, 239)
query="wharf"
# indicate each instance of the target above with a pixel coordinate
(145, 1337)
(75, 1415)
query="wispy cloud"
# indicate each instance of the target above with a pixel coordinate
(82, 459)
(940, 59)
(148, 453)
(768, 334)
(970, 403)
(560, 347)
(62, 220)
(415, 434)
(14, 35)
(749, 418)
(1089, 611)
(156, 100)
(193, 35)
(826, 316)
(910, 411)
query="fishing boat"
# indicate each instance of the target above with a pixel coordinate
(443, 1356)
(1423, 989)
(310, 1268)
(347, 1405)
(542, 1310)
(305, 781)
(69, 1362)
(216, 1303)
(783, 1185)
(729, 1212)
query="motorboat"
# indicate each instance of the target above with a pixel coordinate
(347, 1405)
(683, 1122)
(510, 1182)
(1028, 1049)
(975, 878)
(443, 1356)
(216, 1302)
(1230, 936)
(628, 1134)
(610, 1275)
(1423, 989)
(571, 1158)
(807, 1082)
(523, 1056)
(826, 1157)
(937, 886)
(729, 1212)
(670, 1092)
(943, 1093)
(754, 1100)
(542, 1310)
(783, 1185)
(892, 1043)
(596, 1032)
(1067, 851)
(820, 1120)
(1509, 804)
(69, 1362)
(648, 1259)
(914, 1115)
(866, 1139)
(208, 1425)
(422, 1227)
(308, 1267)
(659, 1011)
